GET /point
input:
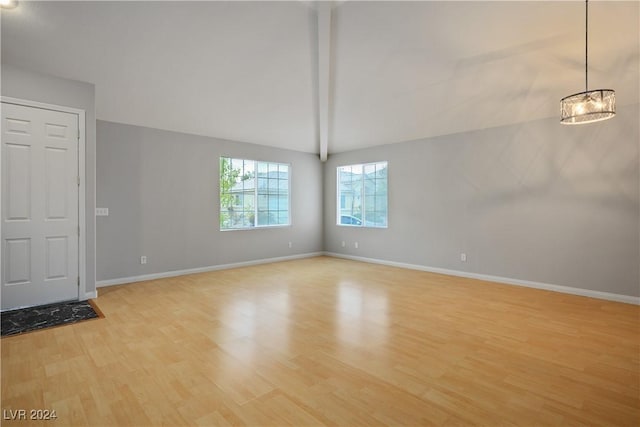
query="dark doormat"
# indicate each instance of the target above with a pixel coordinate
(46, 316)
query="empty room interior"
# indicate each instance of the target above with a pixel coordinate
(345, 213)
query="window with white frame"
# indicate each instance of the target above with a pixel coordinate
(362, 195)
(253, 194)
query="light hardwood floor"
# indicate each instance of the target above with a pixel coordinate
(325, 341)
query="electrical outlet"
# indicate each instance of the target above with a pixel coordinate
(143, 259)
(463, 257)
(290, 245)
(344, 243)
(355, 245)
(102, 211)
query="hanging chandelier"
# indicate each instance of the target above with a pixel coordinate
(591, 105)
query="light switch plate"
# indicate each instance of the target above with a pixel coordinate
(102, 211)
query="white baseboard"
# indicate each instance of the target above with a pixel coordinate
(505, 280)
(498, 279)
(153, 276)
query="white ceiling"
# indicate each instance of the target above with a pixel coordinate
(248, 71)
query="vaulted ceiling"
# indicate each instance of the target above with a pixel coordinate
(381, 72)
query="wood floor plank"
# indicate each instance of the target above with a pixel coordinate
(324, 341)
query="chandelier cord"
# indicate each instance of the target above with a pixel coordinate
(586, 46)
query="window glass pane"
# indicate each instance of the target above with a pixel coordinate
(230, 191)
(237, 164)
(283, 172)
(273, 203)
(263, 217)
(253, 193)
(249, 168)
(381, 204)
(249, 201)
(273, 217)
(345, 175)
(369, 187)
(283, 217)
(370, 213)
(362, 195)
(275, 187)
(263, 202)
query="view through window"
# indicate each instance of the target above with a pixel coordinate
(362, 195)
(253, 194)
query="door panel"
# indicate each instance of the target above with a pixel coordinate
(56, 255)
(18, 181)
(17, 126)
(56, 191)
(39, 206)
(18, 266)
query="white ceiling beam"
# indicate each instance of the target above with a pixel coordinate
(324, 74)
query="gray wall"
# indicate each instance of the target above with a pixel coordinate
(537, 201)
(162, 189)
(28, 85)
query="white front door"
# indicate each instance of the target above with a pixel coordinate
(39, 206)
